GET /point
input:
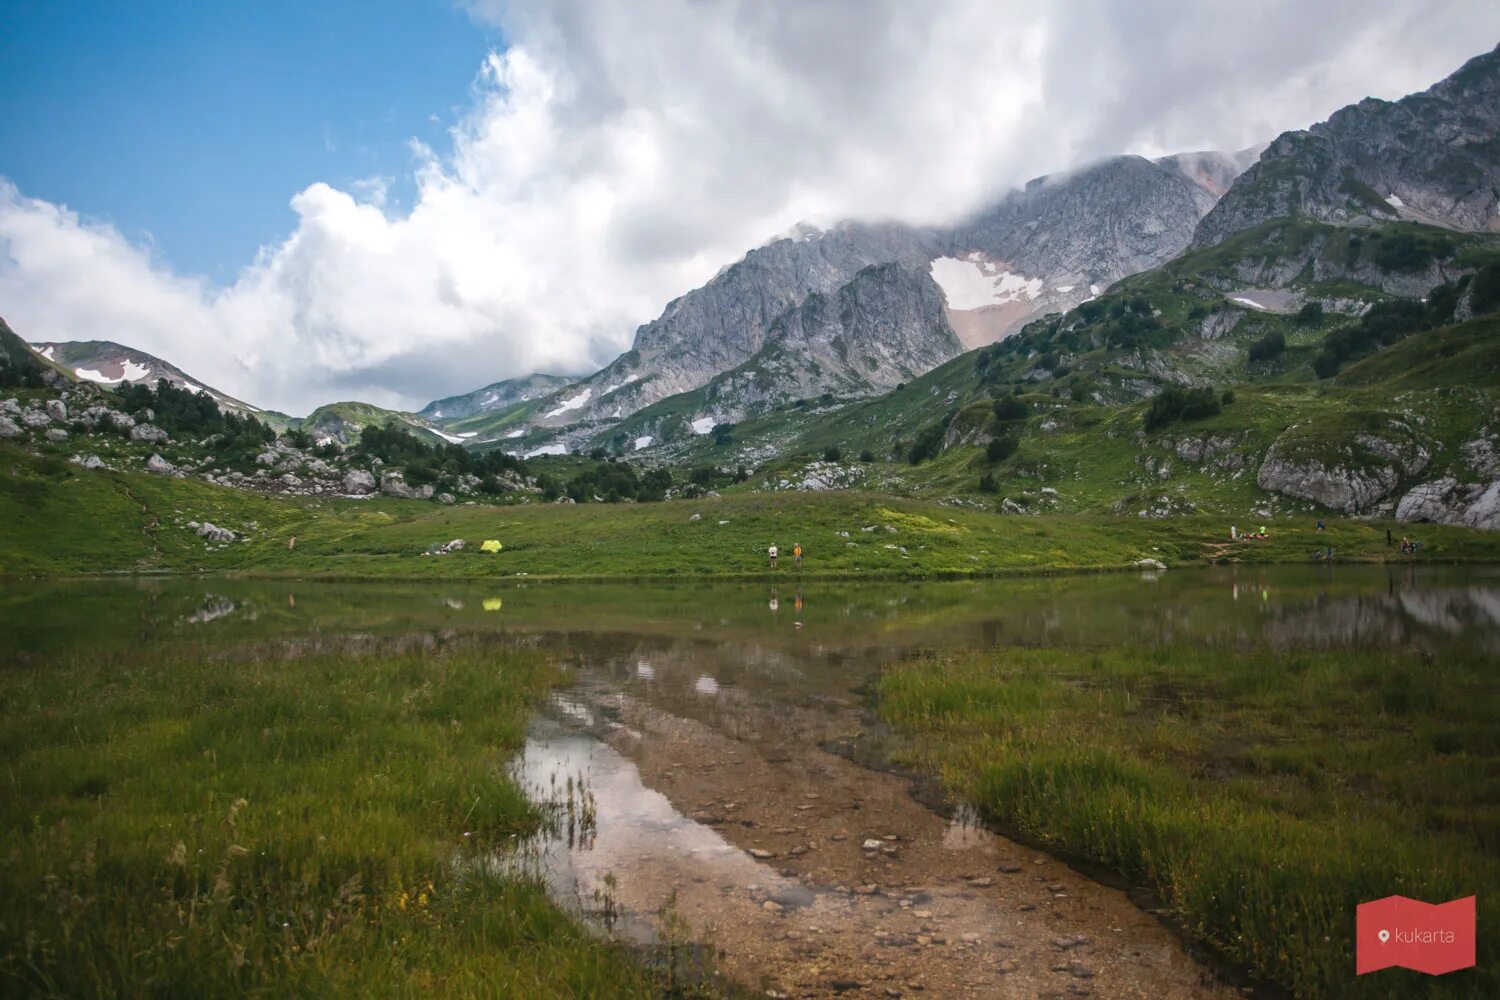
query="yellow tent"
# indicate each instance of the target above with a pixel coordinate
(490, 545)
(493, 604)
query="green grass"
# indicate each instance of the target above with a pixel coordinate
(1262, 795)
(68, 521)
(181, 824)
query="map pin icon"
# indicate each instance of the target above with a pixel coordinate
(1384, 936)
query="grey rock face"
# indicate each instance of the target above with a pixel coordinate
(1094, 225)
(1447, 501)
(358, 482)
(1091, 226)
(393, 484)
(147, 432)
(1429, 156)
(884, 327)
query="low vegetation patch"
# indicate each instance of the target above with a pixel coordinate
(180, 825)
(1262, 795)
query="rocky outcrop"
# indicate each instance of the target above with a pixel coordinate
(358, 482)
(1342, 469)
(1429, 157)
(1447, 501)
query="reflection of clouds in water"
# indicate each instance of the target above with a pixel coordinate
(639, 838)
(644, 670)
(706, 685)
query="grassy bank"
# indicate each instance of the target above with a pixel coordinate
(1262, 796)
(63, 520)
(180, 826)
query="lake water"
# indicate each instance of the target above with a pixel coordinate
(708, 763)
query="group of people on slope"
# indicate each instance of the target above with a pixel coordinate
(775, 554)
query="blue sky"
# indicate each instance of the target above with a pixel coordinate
(189, 125)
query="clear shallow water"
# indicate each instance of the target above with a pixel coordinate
(697, 768)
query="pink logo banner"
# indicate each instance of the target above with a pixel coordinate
(1429, 937)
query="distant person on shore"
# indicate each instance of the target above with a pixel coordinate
(1388, 541)
(773, 554)
(797, 553)
(1320, 525)
(1234, 533)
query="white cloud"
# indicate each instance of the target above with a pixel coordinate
(619, 153)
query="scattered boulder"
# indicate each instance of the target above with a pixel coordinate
(88, 461)
(290, 480)
(359, 482)
(56, 434)
(35, 419)
(446, 498)
(57, 410)
(1151, 564)
(9, 428)
(149, 433)
(393, 484)
(160, 465)
(120, 421)
(267, 458)
(214, 533)
(457, 545)
(11, 406)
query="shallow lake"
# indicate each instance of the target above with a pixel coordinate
(709, 762)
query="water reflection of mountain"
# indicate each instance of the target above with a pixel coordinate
(1424, 617)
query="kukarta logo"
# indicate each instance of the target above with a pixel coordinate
(1429, 937)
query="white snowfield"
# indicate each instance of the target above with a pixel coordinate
(703, 425)
(974, 281)
(1251, 303)
(518, 432)
(46, 352)
(547, 449)
(620, 385)
(450, 438)
(1394, 201)
(643, 442)
(132, 373)
(568, 405)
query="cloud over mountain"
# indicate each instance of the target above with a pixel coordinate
(618, 154)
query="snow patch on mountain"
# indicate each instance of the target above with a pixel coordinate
(973, 281)
(703, 425)
(547, 449)
(643, 442)
(130, 372)
(569, 405)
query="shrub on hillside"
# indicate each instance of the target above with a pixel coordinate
(1181, 404)
(1270, 346)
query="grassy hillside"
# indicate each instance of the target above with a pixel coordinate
(67, 520)
(344, 421)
